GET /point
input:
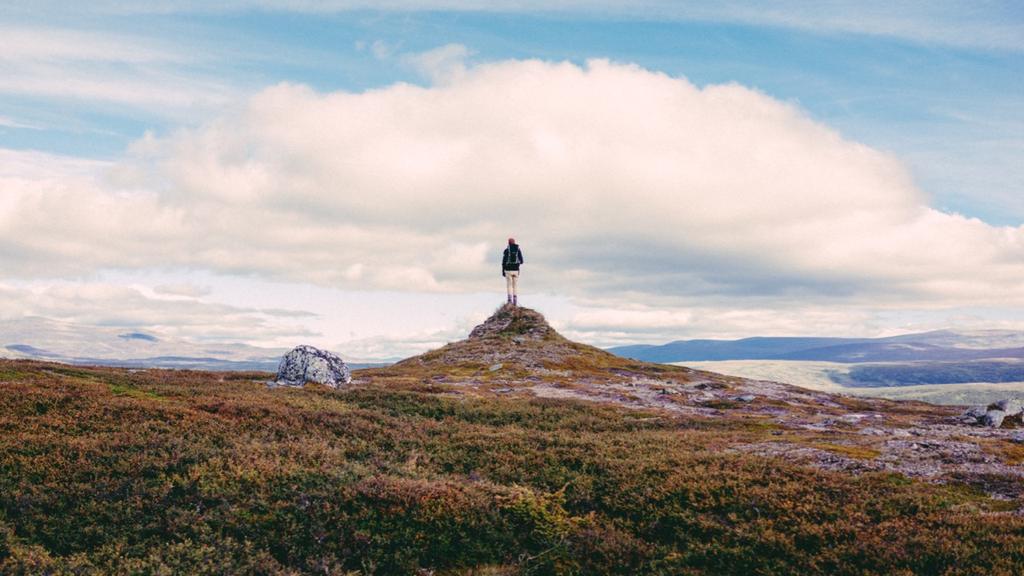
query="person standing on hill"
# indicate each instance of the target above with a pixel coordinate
(510, 262)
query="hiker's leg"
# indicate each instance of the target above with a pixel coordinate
(515, 286)
(509, 283)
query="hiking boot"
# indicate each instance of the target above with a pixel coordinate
(515, 300)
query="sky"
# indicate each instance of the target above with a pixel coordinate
(345, 173)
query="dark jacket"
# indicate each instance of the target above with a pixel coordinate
(511, 258)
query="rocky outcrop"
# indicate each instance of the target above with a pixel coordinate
(994, 415)
(515, 340)
(1011, 407)
(993, 418)
(974, 414)
(308, 364)
(514, 322)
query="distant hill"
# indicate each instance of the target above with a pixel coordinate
(759, 348)
(45, 339)
(941, 345)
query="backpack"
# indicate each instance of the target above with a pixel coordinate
(511, 256)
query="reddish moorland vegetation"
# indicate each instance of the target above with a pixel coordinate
(108, 471)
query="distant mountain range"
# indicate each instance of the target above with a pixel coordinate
(942, 345)
(181, 362)
(45, 339)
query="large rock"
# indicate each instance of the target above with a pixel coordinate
(1012, 406)
(976, 412)
(993, 414)
(993, 418)
(308, 364)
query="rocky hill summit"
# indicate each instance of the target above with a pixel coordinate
(516, 353)
(518, 339)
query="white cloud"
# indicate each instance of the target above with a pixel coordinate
(127, 307)
(621, 183)
(617, 322)
(442, 65)
(160, 91)
(8, 122)
(612, 323)
(631, 319)
(185, 290)
(382, 50)
(23, 44)
(104, 68)
(965, 23)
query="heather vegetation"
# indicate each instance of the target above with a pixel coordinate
(107, 471)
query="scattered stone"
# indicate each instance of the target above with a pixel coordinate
(1011, 406)
(993, 418)
(308, 364)
(852, 418)
(976, 412)
(927, 443)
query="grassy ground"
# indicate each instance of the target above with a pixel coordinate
(108, 471)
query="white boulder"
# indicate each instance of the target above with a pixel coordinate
(308, 364)
(993, 418)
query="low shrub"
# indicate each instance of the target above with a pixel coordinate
(106, 471)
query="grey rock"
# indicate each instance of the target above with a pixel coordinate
(1012, 406)
(746, 398)
(976, 412)
(1017, 437)
(993, 418)
(308, 364)
(495, 367)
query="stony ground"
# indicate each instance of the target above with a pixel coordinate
(516, 353)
